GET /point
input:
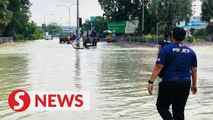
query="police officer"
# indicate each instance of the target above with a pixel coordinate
(176, 81)
(164, 42)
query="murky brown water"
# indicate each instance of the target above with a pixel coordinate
(115, 75)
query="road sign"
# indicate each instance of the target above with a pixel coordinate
(92, 19)
(119, 27)
(43, 26)
(195, 23)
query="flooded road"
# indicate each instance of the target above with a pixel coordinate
(115, 75)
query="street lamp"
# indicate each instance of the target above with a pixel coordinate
(157, 31)
(142, 24)
(143, 5)
(46, 16)
(68, 7)
(44, 25)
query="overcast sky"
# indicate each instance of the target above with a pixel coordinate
(42, 8)
(87, 8)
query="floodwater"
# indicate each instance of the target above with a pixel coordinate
(115, 75)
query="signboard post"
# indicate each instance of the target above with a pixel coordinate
(92, 19)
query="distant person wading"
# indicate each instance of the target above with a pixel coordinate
(180, 64)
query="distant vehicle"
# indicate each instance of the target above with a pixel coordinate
(48, 37)
(88, 39)
(111, 38)
(65, 38)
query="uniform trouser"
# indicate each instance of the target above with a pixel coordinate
(175, 94)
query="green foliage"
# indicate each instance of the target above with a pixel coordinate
(16, 20)
(201, 32)
(5, 14)
(207, 14)
(149, 22)
(33, 32)
(100, 24)
(86, 26)
(19, 21)
(54, 29)
(118, 10)
(168, 12)
(207, 10)
(209, 28)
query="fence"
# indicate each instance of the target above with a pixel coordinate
(141, 39)
(156, 40)
(6, 40)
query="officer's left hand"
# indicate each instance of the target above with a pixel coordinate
(150, 89)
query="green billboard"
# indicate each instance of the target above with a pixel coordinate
(128, 27)
(117, 27)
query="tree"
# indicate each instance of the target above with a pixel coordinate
(86, 26)
(20, 27)
(5, 14)
(125, 10)
(109, 8)
(19, 21)
(117, 10)
(33, 32)
(170, 12)
(207, 10)
(54, 29)
(207, 14)
(100, 24)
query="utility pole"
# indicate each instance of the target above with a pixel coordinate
(142, 22)
(78, 33)
(157, 25)
(44, 24)
(45, 17)
(68, 7)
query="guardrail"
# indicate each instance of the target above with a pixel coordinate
(6, 40)
(156, 40)
(140, 39)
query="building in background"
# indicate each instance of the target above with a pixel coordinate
(67, 29)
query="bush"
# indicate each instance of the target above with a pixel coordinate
(19, 37)
(201, 32)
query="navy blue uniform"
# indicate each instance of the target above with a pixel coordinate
(164, 42)
(176, 82)
(179, 69)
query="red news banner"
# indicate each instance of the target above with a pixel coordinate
(20, 100)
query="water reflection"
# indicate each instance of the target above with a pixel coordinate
(77, 78)
(123, 92)
(14, 73)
